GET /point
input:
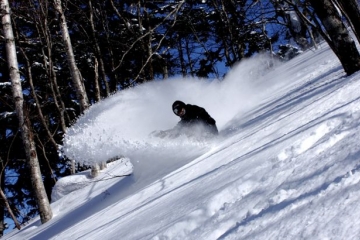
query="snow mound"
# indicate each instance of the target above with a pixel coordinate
(121, 167)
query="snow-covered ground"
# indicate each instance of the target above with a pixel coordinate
(285, 166)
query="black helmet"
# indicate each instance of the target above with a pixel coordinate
(177, 106)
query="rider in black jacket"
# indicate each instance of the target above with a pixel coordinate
(195, 122)
(192, 117)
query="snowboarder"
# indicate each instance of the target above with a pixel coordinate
(195, 122)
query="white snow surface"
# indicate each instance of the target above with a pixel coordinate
(285, 166)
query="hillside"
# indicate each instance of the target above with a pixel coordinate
(285, 166)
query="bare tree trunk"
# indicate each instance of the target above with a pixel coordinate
(40, 113)
(95, 169)
(306, 21)
(72, 168)
(165, 70)
(58, 101)
(98, 50)
(181, 56)
(341, 42)
(103, 165)
(96, 80)
(351, 10)
(24, 122)
(41, 23)
(233, 51)
(74, 71)
(145, 35)
(104, 21)
(147, 43)
(33, 93)
(189, 58)
(5, 201)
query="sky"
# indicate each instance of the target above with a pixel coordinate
(285, 165)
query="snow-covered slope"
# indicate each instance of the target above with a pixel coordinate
(286, 165)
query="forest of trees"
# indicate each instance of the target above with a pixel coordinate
(60, 56)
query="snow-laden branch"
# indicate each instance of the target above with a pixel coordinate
(4, 115)
(5, 83)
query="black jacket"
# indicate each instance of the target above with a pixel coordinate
(195, 115)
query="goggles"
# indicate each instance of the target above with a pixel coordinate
(179, 111)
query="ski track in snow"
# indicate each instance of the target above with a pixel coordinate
(286, 167)
(325, 135)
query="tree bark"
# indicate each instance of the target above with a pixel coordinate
(351, 10)
(341, 42)
(24, 122)
(74, 71)
(6, 203)
(95, 169)
(96, 80)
